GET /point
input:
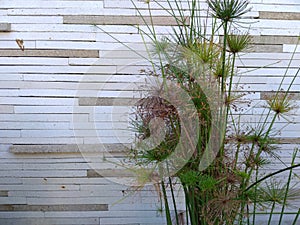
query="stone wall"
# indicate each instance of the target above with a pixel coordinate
(65, 85)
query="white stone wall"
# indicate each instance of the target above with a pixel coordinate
(61, 96)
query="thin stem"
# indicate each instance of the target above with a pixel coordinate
(271, 213)
(255, 196)
(272, 174)
(287, 188)
(187, 205)
(248, 217)
(261, 147)
(192, 21)
(231, 76)
(224, 56)
(174, 201)
(167, 207)
(296, 217)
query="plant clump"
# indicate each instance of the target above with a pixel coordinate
(221, 178)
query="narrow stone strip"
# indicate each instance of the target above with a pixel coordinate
(5, 27)
(59, 208)
(266, 95)
(49, 53)
(121, 20)
(279, 15)
(93, 101)
(67, 148)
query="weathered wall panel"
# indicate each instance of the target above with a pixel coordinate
(51, 88)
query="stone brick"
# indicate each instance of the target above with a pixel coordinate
(49, 221)
(93, 173)
(59, 208)
(6, 208)
(3, 193)
(6, 108)
(266, 48)
(5, 27)
(272, 94)
(274, 40)
(120, 20)
(50, 53)
(289, 140)
(110, 173)
(92, 101)
(279, 15)
(68, 148)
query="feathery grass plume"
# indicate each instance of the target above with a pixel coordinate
(206, 50)
(238, 42)
(160, 47)
(274, 191)
(281, 103)
(228, 10)
(217, 69)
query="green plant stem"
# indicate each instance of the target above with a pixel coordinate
(186, 205)
(231, 76)
(223, 80)
(255, 204)
(264, 178)
(227, 101)
(167, 207)
(276, 115)
(224, 56)
(245, 182)
(193, 208)
(270, 175)
(296, 217)
(192, 35)
(287, 187)
(271, 213)
(174, 201)
(189, 204)
(260, 150)
(248, 217)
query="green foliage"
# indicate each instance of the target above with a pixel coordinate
(238, 43)
(228, 10)
(225, 190)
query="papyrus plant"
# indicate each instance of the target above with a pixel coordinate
(220, 174)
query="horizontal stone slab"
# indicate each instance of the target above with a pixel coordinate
(267, 44)
(279, 15)
(275, 40)
(93, 101)
(271, 95)
(110, 173)
(121, 20)
(270, 40)
(50, 53)
(5, 27)
(288, 140)
(3, 193)
(67, 148)
(59, 208)
(34, 220)
(6, 108)
(268, 48)
(6, 208)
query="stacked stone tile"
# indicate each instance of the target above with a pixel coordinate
(74, 75)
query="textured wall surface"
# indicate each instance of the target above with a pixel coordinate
(65, 88)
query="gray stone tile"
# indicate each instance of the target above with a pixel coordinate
(5, 27)
(119, 20)
(50, 53)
